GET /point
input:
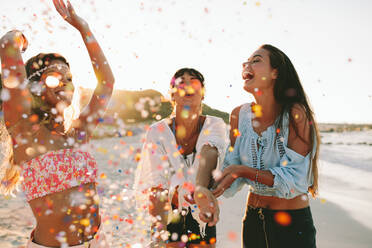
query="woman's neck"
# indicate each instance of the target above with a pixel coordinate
(269, 107)
(189, 119)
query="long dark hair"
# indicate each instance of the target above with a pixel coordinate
(35, 67)
(288, 91)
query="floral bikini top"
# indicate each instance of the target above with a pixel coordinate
(56, 171)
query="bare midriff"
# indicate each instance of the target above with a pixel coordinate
(72, 214)
(276, 203)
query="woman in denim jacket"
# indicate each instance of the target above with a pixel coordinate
(274, 149)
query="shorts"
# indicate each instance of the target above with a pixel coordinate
(278, 228)
(188, 226)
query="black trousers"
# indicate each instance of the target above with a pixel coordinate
(278, 228)
(188, 226)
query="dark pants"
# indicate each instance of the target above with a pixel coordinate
(187, 225)
(278, 228)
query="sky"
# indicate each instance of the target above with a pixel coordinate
(147, 41)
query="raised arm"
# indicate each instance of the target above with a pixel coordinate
(18, 105)
(105, 78)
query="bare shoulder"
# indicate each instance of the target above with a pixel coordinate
(298, 113)
(234, 117)
(234, 123)
(299, 130)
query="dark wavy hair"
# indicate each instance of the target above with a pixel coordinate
(191, 72)
(39, 63)
(288, 91)
(35, 66)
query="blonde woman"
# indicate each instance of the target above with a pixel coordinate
(59, 174)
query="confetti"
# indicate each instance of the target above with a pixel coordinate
(283, 218)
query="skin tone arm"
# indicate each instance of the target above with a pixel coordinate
(104, 75)
(204, 198)
(18, 106)
(158, 208)
(298, 142)
(208, 163)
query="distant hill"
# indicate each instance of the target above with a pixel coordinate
(150, 105)
(141, 106)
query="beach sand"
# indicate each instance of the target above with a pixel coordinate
(342, 212)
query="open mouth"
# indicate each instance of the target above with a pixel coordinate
(247, 75)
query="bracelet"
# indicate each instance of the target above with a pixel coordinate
(256, 178)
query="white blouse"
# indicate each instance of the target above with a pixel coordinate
(162, 165)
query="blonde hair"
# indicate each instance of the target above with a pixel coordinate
(9, 171)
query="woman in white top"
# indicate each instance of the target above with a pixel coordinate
(175, 151)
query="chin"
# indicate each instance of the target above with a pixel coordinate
(249, 88)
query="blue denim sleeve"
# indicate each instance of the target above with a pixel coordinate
(291, 177)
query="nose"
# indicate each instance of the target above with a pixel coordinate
(246, 65)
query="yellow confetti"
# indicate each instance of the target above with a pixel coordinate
(137, 157)
(181, 92)
(102, 150)
(185, 114)
(85, 222)
(181, 132)
(257, 109)
(236, 132)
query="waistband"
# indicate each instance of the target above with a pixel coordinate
(99, 241)
(292, 212)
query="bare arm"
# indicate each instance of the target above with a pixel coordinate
(208, 163)
(14, 77)
(158, 208)
(102, 70)
(17, 108)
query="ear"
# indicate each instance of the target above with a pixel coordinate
(274, 74)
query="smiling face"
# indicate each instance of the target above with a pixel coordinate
(57, 81)
(188, 90)
(258, 73)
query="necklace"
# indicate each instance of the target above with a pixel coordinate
(188, 163)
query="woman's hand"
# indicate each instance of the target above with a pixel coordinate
(207, 204)
(16, 38)
(96, 108)
(68, 13)
(228, 176)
